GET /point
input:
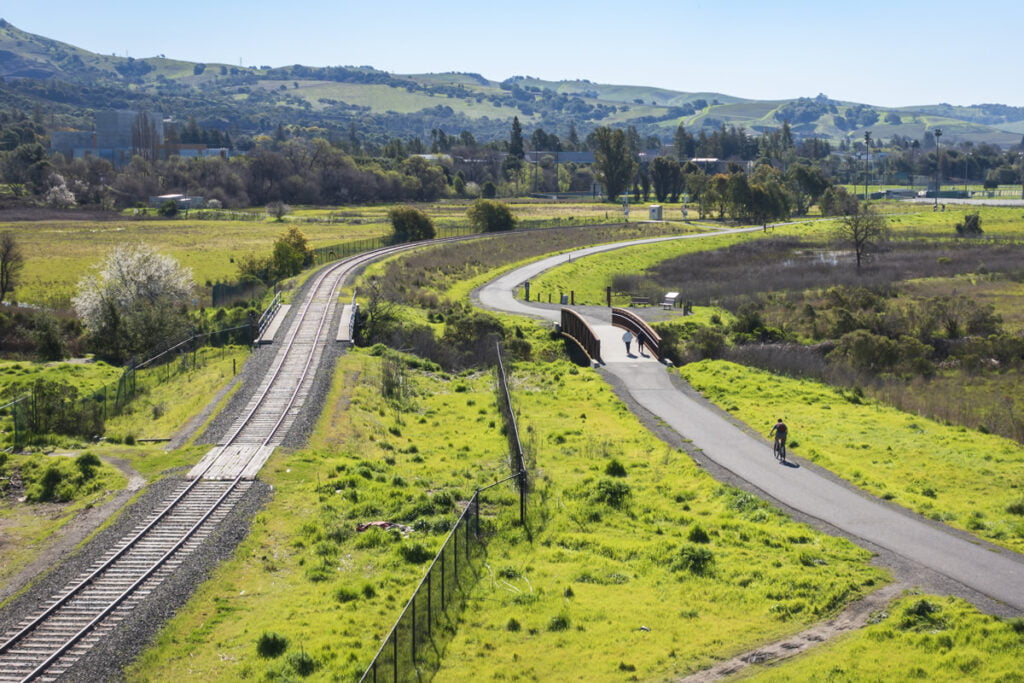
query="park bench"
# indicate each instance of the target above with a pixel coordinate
(639, 301)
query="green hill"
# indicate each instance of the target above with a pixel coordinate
(37, 71)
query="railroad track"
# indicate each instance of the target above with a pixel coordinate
(47, 644)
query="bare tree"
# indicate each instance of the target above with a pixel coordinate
(862, 230)
(12, 260)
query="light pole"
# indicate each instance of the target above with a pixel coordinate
(938, 165)
(966, 157)
(867, 162)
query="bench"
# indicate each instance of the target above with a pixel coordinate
(639, 301)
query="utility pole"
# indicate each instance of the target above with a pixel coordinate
(867, 162)
(938, 165)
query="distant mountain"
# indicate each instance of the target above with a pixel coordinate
(69, 83)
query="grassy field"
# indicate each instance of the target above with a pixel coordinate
(304, 572)
(59, 253)
(919, 637)
(27, 528)
(709, 570)
(964, 478)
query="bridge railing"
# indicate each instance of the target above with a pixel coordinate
(579, 330)
(627, 320)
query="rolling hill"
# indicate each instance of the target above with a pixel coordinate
(69, 83)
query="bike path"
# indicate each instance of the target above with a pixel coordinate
(994, 572)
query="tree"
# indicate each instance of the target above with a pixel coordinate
(664, 176)
(862, 230)
(411, 224)
(613, 163)
(12, 260)
(490, 216)
(291, 253)
(515, 141)
(278, 210)
(133, 300)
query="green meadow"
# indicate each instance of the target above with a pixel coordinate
(965, 478)
(918, 637)
(635, 563)
(625, 532)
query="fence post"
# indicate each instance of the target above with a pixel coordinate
(413, 630)
(522, 494)
(395, 668)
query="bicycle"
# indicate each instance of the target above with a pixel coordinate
(779, 450)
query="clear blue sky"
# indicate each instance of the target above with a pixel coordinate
(892, 53)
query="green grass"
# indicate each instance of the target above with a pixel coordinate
(17, 377)
(59, 253)
(919, 637)
(589, 276)
(26, 528)
(1002, 222)
(174, 395)
(607, 569)
(964, 478)
(370, 461)
(303, 560)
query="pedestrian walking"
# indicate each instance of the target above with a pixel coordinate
(640, 340)
(628, 338)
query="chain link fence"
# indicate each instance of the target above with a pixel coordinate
(412, 649)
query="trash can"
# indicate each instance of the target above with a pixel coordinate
(654, 212)
(565, 299)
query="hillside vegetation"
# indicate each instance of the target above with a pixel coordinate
(385, 104)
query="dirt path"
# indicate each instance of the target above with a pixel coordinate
(853, 617)
(77, 530)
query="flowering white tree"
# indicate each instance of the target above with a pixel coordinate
(59, 196)
(133, 300)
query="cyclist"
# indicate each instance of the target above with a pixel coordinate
(780, 430)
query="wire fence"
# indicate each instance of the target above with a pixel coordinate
(59, 408)
(413, 647)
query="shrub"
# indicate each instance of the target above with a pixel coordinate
(970, 226)
(693, 559)
(490, 216)
(411, 224)
(302, 663)
(414, 553)
(168, 209)
(271, 645)
(614, 468)
(512, 625)
(698, 535)
(345, 594)
(87, 464)
(559, 622)
(1016, 508)
(610, 492)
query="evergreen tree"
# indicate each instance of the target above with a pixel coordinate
(515, 141)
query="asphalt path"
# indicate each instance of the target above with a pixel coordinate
(967, 562)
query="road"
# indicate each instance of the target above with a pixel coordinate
(971, 564)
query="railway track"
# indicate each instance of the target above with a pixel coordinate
(47, 644)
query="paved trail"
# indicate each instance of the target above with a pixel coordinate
(981, 568)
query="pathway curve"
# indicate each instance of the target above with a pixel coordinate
(994, 572)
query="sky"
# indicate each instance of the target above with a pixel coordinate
(887, 54)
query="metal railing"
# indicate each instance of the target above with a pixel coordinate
(628, 320)
(578, 330)
(411, 650)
